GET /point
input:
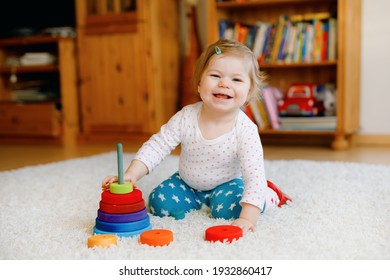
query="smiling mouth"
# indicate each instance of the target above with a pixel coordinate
(222, 96)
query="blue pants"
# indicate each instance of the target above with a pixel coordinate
(174, 197)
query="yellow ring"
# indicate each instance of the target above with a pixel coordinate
(102, 240)
(117, 188)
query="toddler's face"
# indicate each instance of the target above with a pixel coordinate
(225, 83)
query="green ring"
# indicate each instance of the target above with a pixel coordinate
(124, 188)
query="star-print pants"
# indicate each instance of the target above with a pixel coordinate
(174, 197)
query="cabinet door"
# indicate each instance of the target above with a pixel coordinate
(112, 71)
(112, 83)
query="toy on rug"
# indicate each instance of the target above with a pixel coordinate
(102, 240)
(156, 237)
(223, 233)
(122, 210)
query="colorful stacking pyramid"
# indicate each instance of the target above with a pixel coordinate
(122, 209)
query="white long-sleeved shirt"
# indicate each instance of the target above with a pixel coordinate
(204, 164)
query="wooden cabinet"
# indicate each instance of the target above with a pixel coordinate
(128, 67)
(38, 91)
(344, 72)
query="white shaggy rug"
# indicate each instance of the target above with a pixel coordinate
(340, 211)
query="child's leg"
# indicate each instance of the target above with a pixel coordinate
(173, 197)
(282, 198)
(225, 199)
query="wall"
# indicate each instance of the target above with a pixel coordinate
(375, 64)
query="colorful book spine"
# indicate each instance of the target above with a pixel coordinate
(261, 33)
(271, 96)
(279, 32)
(256, 114)
(306, 38)
(332, 43)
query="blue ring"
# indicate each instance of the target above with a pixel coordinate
(121, 218)
(123, 234)
(121, 227)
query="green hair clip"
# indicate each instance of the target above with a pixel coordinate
(218, 50)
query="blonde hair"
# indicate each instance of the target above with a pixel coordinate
(231, 47)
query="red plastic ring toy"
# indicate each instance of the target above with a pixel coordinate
(223, 233)
(127, 198)
(122, 208)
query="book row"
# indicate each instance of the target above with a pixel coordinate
(292, 39)
(265, 111)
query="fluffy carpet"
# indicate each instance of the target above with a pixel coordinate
(340, 211)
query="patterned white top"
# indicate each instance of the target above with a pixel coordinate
(205, 164)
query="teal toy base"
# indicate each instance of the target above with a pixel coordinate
(123, 233)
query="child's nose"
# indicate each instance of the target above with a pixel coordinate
(224, 82)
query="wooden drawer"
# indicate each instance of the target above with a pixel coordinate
(41, 119)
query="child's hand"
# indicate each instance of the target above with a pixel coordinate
(112, 179)
(107, 181)
(136, 170)
(244, 224)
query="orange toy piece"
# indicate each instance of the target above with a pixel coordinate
(102, 240)
(156, 237)
(223, 233)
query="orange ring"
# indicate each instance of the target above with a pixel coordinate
(156, 237)
(102, 240)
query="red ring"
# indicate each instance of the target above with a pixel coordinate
(127, 198)
(122, 208)
(223, 233)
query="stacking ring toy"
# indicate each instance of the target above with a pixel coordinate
(223, 233)
(123, 233)
(115, 227)
(102, 240)
(118, 188)
(156, 237)
(122, 208)
(127, 198)
(121, 218)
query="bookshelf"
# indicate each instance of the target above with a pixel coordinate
(343, 71)
(38, 100)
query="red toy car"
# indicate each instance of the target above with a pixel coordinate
(300, 100)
